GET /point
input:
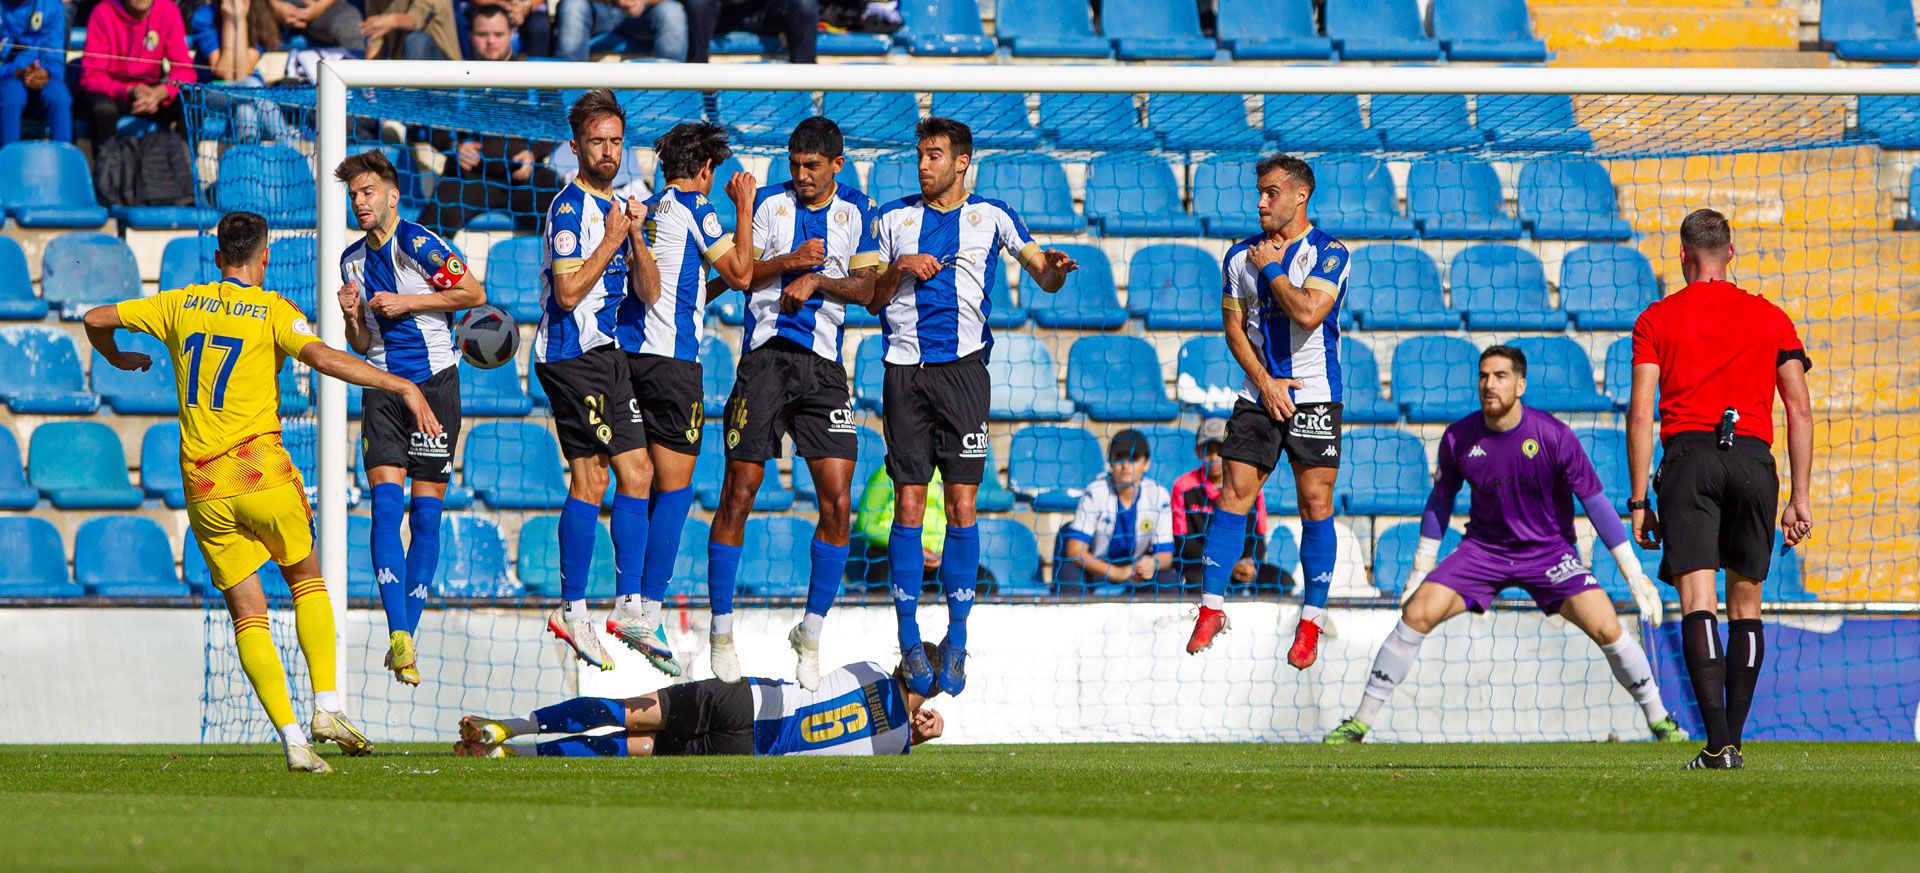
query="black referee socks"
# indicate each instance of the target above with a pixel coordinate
(1746, 649)
(1707, 667)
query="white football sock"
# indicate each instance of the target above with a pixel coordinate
(723, 624)
(650, 611)
(576, 610)
(330, 701)
(1630, 668)
(1313, 614)
(1213, 601)
(293, 735)
(1390, 666)
(812, 625)
(518, 726)
(627, 605)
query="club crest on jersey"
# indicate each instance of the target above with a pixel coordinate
(840, 217)
(565, 242)
(34, 20)
(455, 267)
(152, 40)
(1331, 260)
(711, 224)
(1530, 448)
(973, 218)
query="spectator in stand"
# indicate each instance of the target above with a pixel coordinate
(414, 30)
(121, 71)
(333, 23)
(874, 523)
(1122, 532)
(1195, 495)
(660, 23)
(484, 171)
(33, 67)
(250, 25)
(798, 20)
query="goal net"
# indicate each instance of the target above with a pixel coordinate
(1544, 220)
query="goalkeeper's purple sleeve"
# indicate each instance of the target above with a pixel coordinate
(1606, 522)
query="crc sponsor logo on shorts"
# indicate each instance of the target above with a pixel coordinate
(974, 445)
(1568, 568)
(420, 445)
(1313, 422)
(841, 420)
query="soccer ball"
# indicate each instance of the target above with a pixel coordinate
(487, 337)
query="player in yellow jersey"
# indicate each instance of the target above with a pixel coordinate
(244, 496)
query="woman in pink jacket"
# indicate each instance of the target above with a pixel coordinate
(136, 56)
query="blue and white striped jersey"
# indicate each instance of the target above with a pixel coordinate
(1123, 534)
(576, 222)
(1315, 261)
(858, 710)
(846, 225)
(684, 233)
(945, 318)
(408, 260)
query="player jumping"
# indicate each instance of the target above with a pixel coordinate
(245, 500)
(1525, 467)
(942, 248)
(859, 709)
(403, 285)
(817, 257)
(1281, 307)
(594, 252)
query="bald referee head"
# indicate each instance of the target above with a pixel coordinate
(1713, 356)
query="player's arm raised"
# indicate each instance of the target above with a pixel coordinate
(736, 266)
(351, 302)
(1048, 267)
(1306, 305)
(348, 368)
(571, 287)
(855, 289)
(643, 271)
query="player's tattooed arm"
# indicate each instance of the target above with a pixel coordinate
(853, 290)
(1275, 393)
(348, 368)
(1304, 306)
(810, 254)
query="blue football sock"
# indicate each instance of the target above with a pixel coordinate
(663, 540)
(1226, 539)
(612, 746)
(577, 521)
(423, 555)
(959, 574)
(1318, 547)
(723, 572)
(389, 555)
(580, 714)
(905, 564)
(629, 544)
(829, 562)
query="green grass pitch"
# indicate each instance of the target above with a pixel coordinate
(1622, 808)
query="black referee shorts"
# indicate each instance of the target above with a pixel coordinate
(708, 717)
(1717, 507)
(936, 416)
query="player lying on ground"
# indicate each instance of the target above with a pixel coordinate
(859, 709)
(245, 500)
(1525, 467)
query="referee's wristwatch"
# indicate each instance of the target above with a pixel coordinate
(1636, 505)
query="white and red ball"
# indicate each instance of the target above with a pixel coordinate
(487, 337)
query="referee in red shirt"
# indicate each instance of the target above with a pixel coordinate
(1716, 354)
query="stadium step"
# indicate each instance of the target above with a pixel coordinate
(1611, 57)
(1688, 28)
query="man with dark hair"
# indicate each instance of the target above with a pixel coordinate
(797, 20)
(817, 256)
(1713, 356)
(942, 249)
(1122, 530)
(403, 284)
(1281, 307)
(1525, 467)
(596, 256)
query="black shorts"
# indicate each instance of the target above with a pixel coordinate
(671, 398)
(593, 408)
(785, 390)
(1716, 508)
(936, 415)
(708, 717)
(388, 438)
(1311, 438)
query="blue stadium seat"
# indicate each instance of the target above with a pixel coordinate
(723, 206)
(1315, 123)
(1869, 30)
(876, 119)
(1049, 29)
(1606, 447)
(133, 392)
(651, 112)
(1360, 385)
(1486, 30)
(869, 370)
(537, 561)
(1203, 122)
(1174, 286)
(777, 557)
(188, 260)
(710, 469)
(716, 373)
(15, 493)
(125, 556)
(1136, 195)
(1025, 382)
(1434, 378)
(1892, 122)
(871, 452)
(1379, 30)
(40, 373)
(272, 180)
(1094, 121)
(1560, 375)
(897, 174)
(1282, 493)
(1530, 122)
(33, 561)
(1117, 378)
(762, 118)
(1010, 557)
(943, 28)
(514, 465)
(80, 465)
(1424, 122)
(293, 391)
(1606, 287)
(1170, 448)
(290, 272)
(1617, 370)
(1153, 30)
(1458, 199)
(1502, 287)
(473, 559)
(17, 298)
(1086, 302)
(1570, 200)
(1393, 555)
(1002, 312)
(194, 572)
(1387, 472)
(1397, 287)
(83, 269)
(494, 392)
(160, 474)
(1206, 376)
(48, 184)
(1050, 465)
(513, 277)
(1033, 184)
(689, 580)
(1354, 199)
(993, 496)
(1223, 196)
(1270, 30)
